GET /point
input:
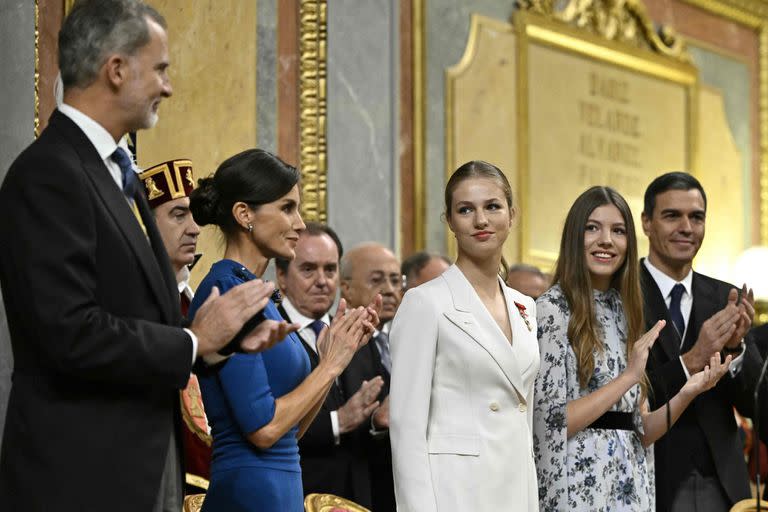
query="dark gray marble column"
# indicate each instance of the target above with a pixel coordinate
(363, 166)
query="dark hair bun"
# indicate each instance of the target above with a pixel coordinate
(204, 202)
(253, 176)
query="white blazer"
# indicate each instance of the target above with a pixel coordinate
(461, 401)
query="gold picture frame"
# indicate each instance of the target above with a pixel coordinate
(641, 55)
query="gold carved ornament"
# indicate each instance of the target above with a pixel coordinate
(193, 502)
(626, 21)
(330, 503)
(313, 108)
(37, 69)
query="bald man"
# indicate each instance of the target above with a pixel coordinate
(366, 270)
(528, 280)
(420, 267)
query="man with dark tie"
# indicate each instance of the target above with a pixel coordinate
(699, 463)
(367, 270)
(90, 296)
(333, 449)
(167, 187)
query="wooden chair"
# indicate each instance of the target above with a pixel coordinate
(331, 503)
(193, 502)
(749, 505)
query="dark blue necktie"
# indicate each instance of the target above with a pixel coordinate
(130, 181)
(674, 308)
(316, 327)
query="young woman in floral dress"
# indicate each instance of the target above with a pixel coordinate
(592, 425)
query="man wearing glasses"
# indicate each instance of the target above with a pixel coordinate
(367, 270)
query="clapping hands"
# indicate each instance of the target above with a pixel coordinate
(349, 330)
(726, 328)
(640, 350)
(708, 377)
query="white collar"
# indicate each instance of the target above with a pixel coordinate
(182, 279)
(98, 135)
(102, 141)
(666, 283)
(298, 318)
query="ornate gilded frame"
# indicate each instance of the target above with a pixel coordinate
(37, 68)
(754, 15)
(313, 39)
(750, 13)
(667, 61)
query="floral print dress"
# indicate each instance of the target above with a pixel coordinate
(597, 469)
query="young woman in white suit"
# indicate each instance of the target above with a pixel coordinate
(464, 360)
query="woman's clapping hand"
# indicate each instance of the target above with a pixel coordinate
(348, 331)
(708, 377)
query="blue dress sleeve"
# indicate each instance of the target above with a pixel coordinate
(243, 379)
(245, 386)
(223, 282)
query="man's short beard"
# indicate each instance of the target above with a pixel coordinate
(152, 121)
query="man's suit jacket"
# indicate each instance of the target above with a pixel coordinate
(461, 400)
(325, 466)
(705, 437)
(92, 311)
(365, 365)
(759, 337)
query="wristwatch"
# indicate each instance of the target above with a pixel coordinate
(733, 351)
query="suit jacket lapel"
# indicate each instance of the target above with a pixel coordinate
(471, 316)
(115, 203)
(161, 255)
(313, 357)
(655, 310)
(520, 331)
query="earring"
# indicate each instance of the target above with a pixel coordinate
(250, 227)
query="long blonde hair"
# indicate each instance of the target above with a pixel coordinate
(572, 274)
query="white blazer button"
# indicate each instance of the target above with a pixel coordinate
(522, 408)
(494, 406)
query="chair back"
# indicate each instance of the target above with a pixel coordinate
(749, 505)
(193, 502)
(331, 503)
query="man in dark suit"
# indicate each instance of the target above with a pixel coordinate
(91, 300)
(699, 463)
(333, 455)
(367, 270)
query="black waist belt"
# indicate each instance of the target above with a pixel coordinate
(614, 421)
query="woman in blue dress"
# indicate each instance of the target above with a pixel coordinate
(258, 405)
(591, 422)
